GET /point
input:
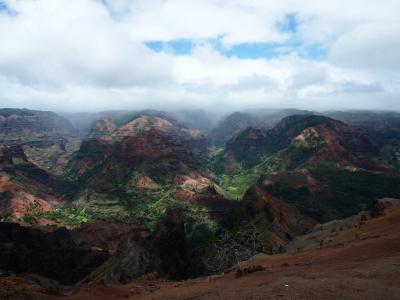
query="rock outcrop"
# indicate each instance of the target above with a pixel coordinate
(163, 253)
(28, 192)
(52, 254)
(264, 224)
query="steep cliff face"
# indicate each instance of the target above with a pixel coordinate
(237, 122)
(263, 224)
(27, 192)
(102, 127)
(195, 140)
(12, 155)
(98, 252)
(154, 145)
(303, 138)
(92, 153)
(230, 126)
(164, 252)
(52, 254)
(21, 203)
(20, 125)
(382, 127)
(48, 139)
(138, 171)
(391, 153)
(248, 146)
(107, 236)
(317, 163)
(327, 193)
(330, 142)
(289, 221)
(151, 153)
(147, 149)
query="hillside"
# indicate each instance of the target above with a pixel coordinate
(356, 263)
(234, 123)
(352, 263)
(30, 195)
(309, 161)
(144, 195)
(24, 125)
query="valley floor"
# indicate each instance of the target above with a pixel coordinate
(358, 263)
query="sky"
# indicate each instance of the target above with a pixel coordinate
(91, 55)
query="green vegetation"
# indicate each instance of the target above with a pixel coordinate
(28, 219)
(147, 209)
(151, 120)
(344, 192)
(150, 208)
(235, 185)
(69, 215)
(47, 157)
(214, 158)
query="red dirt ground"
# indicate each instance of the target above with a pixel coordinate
(360, 263)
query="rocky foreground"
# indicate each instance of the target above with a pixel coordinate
(356, 258)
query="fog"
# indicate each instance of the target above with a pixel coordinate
(91, 56)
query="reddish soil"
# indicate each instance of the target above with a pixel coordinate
(21, 202)
(359, 263)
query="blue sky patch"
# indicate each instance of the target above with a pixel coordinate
(289, 24)
(272, 50)
(266, 50)
(245, 50)
(177, 47)
(5, 9)
(251, 50)
(315, 52)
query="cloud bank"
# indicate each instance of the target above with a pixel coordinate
(86, 55)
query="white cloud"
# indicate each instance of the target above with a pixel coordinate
(373, 45)
(75, 42)
(83, 55)
(234, 21)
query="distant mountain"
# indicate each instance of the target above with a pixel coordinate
(230, 126)
(383, 127)
(47, 138)
(152, 153)
(195, 119)
(236, 122)
(83, 121)
(194, 139)
(317, 163)
(24, 125)
(310, 134)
